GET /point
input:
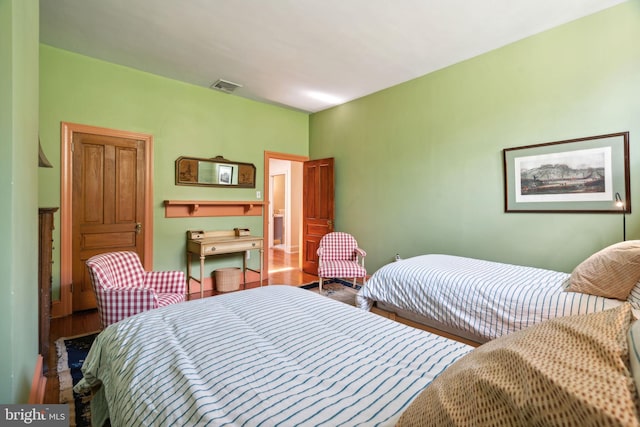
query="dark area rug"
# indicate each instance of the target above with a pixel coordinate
(71, 354)
(338, 289)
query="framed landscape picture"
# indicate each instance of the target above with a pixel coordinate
(576, 175)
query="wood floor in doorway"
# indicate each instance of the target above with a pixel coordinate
(284, 269)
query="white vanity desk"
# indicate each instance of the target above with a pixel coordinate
(209, 243)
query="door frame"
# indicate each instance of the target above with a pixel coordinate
(64, 306)
(268, 155)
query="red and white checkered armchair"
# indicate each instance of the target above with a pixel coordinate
(123, 288)
(340, 257)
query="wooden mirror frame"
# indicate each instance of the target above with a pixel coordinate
(223, 172)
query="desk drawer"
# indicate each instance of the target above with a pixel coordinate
(227, 247)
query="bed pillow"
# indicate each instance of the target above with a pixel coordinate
(610, 273)
(565, 371)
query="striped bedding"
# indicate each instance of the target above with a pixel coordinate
(480, 299)
(277, 355)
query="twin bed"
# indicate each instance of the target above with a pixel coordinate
(474, 299)
(281, 355)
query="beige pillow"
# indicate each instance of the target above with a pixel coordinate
(610, 273)
(565, 371)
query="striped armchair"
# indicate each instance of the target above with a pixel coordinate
(123, 288)
(340, 257)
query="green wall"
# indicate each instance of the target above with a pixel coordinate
(419, 165)
(185, 120)
(19, 194)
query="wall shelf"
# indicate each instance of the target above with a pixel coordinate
(205, 208)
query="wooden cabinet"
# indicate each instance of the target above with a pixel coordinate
(45, 259)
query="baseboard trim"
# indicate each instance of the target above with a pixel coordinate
(38, 383)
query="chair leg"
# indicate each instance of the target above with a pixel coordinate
(320, 284)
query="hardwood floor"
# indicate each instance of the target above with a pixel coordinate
(283, 269)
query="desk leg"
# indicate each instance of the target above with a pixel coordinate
(202, 257)
(244, 268)
(188, 275)
(261, 264)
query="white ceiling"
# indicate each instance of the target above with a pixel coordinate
(303, 54)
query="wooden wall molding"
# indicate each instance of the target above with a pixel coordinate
(206, 208)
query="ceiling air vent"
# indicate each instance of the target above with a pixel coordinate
(225, 86)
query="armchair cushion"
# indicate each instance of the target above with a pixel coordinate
(341, 268)
(119, 303)
(166, 282)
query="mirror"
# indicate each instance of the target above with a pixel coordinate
(216, 172)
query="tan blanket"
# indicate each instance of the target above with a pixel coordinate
(567, 371)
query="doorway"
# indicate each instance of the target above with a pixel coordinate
(280, 197)
(285, 213)
(283, 219)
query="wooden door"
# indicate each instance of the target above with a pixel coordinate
(108, 204)
(317, 209)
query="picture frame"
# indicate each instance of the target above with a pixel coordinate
(576, 175)
(225, 173)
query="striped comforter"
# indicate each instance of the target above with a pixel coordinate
(276, 355)
(481, 298)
